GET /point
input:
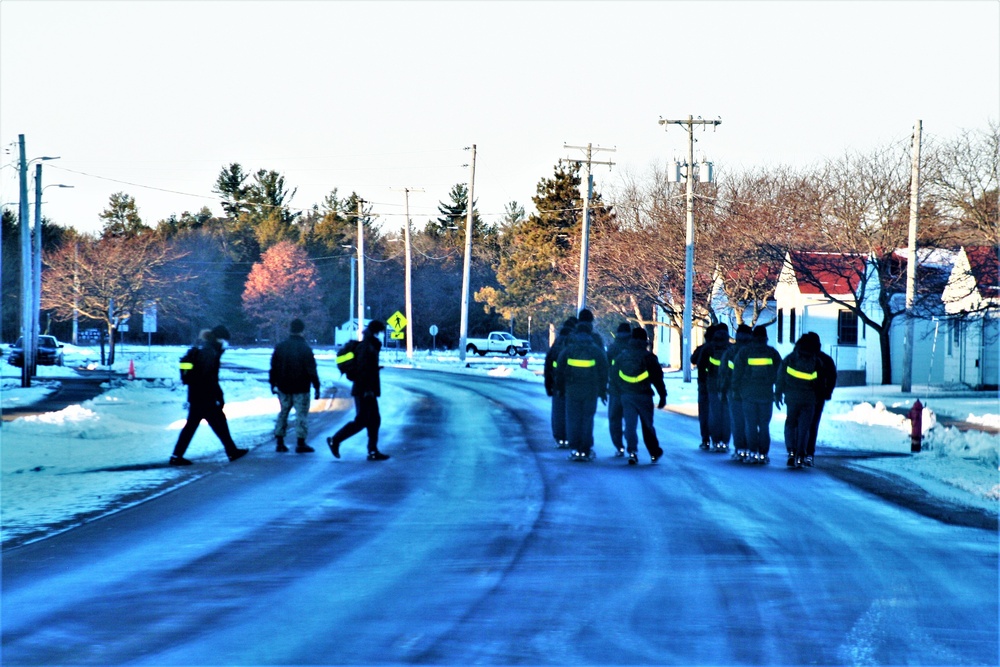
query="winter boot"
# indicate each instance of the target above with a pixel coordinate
(302, 448)
(281, 444)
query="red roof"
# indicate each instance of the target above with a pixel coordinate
(985, 266)
(828, 272)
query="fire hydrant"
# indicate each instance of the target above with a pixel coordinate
(916, 415)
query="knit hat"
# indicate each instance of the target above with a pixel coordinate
(721, 332)
(744, 329)
(297, 326)
(624, 328)
(570, 322)
(586, 315)
(220, 333)
(639, 334)
(376, 327)
(760, 332)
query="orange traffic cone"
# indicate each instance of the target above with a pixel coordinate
(131, 369)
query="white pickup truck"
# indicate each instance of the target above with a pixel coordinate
(497, 341)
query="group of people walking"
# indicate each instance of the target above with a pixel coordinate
(740, 382)
(579, 371)
(294, 380)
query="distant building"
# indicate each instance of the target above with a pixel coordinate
(972, 300)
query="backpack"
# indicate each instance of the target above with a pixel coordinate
(188, 365)
(347, 359)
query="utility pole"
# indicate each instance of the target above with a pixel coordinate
(25, 265)
(36, 272)
(409, 274)
(690, 122)
(911, 260)
(463, 333)
(361, 268)
(581, 294)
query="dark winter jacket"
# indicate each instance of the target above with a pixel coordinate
(710, 360)
(729, 363)
(827, 376)
(755, 369)
(582, 367)
(203, 385)
(552, 360)
(636, 370)
(367, 380)
(618, 345)
(798, 378)
(293, 366)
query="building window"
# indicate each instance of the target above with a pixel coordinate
(781, 325)
(847, 328)
(791, 326)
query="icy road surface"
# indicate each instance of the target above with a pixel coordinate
(479, 543)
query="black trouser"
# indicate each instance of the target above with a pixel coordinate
(615, 416)
(639, 408)
(718, 417)
(559, 417)
(738, 423)
(757, 416)
(366, 417)
(216, 418)
(814, 430)
(580, 411)
(798, 424)
(703, 411)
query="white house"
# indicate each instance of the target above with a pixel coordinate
(347, 331)
(802, 305)
(972, 301)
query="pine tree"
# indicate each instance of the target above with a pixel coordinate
(283, 285)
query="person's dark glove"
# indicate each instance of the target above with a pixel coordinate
(316, 395)
(548, 392)
(663, 401)
(221, 403)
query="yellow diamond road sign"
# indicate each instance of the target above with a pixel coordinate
(397, 322)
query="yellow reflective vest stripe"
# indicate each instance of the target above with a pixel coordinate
(714, 361)
(731, 365)
(800, 375)
(186, 365)
(634, 380)
(581, 363)
(760, 361)
(347, 356)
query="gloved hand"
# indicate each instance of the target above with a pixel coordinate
(221, 404)
(663, 401)
(274, 390)
(316, 395)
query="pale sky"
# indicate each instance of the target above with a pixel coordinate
(155, 98)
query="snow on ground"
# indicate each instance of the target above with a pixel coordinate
(59, 468)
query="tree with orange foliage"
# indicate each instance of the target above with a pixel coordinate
(283, 285)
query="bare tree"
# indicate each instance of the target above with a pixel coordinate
(108, 279)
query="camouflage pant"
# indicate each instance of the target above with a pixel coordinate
(301, 404)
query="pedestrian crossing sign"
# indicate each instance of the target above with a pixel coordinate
(397, 322)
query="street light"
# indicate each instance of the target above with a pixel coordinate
(27, 298)
(36, 303)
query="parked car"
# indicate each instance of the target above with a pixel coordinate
(498, 341)
(49, 352)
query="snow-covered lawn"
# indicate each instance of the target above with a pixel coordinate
(60, 467)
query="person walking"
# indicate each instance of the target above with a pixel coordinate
(366, 388)
(200, 372)
(710, 365)
(615, 415)
(736, 419)
(582, 376)
(754, 371)
(292, 374)
(635, 373)
(558, 418)
(706, 438)
(827, 381)
(798, 385)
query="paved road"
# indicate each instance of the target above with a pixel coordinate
(478, 543)
(71, 391)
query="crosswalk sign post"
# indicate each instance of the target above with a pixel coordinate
(398, 324)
